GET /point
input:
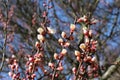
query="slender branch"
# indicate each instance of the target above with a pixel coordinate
(5, 40)
(53, 76)
(111, 70)
(77, 73)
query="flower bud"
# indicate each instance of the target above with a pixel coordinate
(78, 58)
(41, 30)
(10, 74)
(51, 65)
(77, 53)
(60, 68)
(63, 34)
(72, 27)
(50, 30)
(56, 56)
(66, 44)
(82, 46)
(85, 31)
(33, 76)
(87, 39)
(74, 70)
(63, 52)
(40, 37)
(37, 44)
(60, 40)
(90, 33)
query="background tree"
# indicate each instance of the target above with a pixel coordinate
(20, 19)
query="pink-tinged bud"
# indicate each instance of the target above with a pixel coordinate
(72, 27)
(56, 75)
(64, 35)
(85, 31)
(40, 37)
(77, 53)
(37, 44)
(33, 76)
(82, 46)
(63, 52)
(87, 39)
(14, 76)
(30, 68)
(51, 65)
(90, 33)
(89, 58)
(60, 68)
(13, 56)
(56, 56)
(45, 71)
(82, 19)
(74, 70)
(50, 30)
(44, 14)
(10, 74)
(60, 40)
(41, 31)
(94, 21)
(12, 67)
(78, 58)
(94, 59)
(31, 59)
(66, 44)
(30, 64)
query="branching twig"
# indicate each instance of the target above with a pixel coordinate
(5, 40)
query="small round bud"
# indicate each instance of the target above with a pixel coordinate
(50, 30)
(51, 65)
(56, 56)
(77, 53)
(37, 44)
(60, 40)
(66, 44)
(78, 58)
(60, 68)
(74, 70)
(64, 51)
(63, 34)
(90, 33)
(41, 30)
(40, 37)
(72, 27)
(82, 46)
(85, 31)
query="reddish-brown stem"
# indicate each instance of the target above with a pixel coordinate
(54, 71)
(77, 73)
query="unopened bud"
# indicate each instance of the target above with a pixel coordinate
(77, 53)
(41, 30)
(82, 46)
(72, 27)
(74, 70)
(64, 51)
(56, 56)
(63, 34)
(37, 44)
(40, 37)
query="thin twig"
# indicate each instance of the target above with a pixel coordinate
(5, 41)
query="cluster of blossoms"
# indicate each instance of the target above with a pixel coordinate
(64, 42)
(88, 66)
(14, 66)
(33, 62)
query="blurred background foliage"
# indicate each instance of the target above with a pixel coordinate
(22, 33)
